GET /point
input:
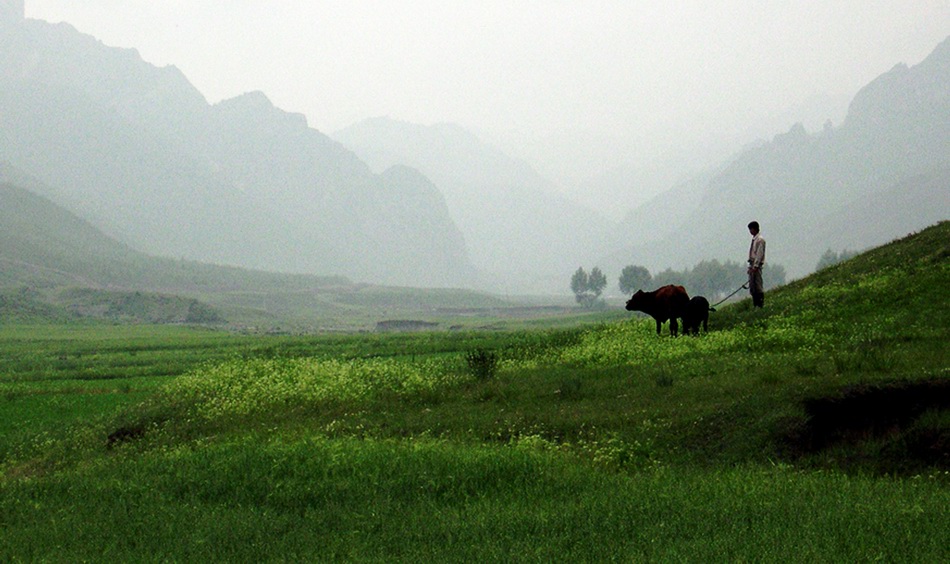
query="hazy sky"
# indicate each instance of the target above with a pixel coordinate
(645, 71)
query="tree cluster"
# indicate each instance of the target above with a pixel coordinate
(709, 278)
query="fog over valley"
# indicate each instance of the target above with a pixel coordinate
(490, 147)
(443, 281)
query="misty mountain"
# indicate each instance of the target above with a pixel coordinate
(661, 215)
(516, 224)
(137, 151)
(879, 175)
(910, 205)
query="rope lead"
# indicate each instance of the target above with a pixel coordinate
(743, 287)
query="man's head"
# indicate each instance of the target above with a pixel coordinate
(754, 227)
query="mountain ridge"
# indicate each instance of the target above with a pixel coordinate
(800, 186)
(137, 150)
(509, 214)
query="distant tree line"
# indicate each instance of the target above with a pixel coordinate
(709, 278)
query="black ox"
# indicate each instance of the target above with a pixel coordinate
(696, 314)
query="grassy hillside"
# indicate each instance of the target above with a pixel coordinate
(44, 245)
(63, 262)
(816, 429)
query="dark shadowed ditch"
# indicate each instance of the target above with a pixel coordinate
(890, 415)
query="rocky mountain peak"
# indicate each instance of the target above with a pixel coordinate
(902, 91)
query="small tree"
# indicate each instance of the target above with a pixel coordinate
(597, 282)
(633, 278)
(830, 258)
(827, 259)
(773, 275)
(587, 288)
(579, 282)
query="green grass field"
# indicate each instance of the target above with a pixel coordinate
(816, 429)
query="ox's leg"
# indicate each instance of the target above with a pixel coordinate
(674, 327)
(659, 326)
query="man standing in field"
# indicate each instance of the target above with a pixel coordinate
(756, 262)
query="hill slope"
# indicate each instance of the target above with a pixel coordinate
(55, 266)
(44, 245)
(903, 282)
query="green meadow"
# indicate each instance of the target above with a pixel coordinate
(815, 429)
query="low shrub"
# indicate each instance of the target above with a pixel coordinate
(482, 363)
